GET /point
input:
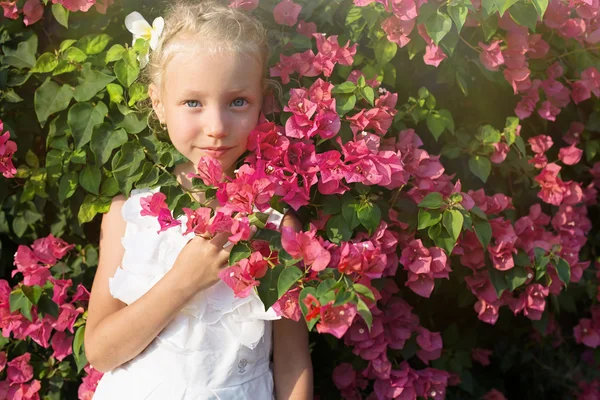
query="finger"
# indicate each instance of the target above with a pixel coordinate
(220, 239)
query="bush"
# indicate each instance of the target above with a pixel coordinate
(452, 192)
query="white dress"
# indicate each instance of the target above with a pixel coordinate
(217, 347)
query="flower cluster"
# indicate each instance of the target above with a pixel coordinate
(7, 149)
(33, 10)
(34, 321)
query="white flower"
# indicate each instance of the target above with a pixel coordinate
(140, 28)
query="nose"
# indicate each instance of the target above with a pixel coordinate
(216, 122)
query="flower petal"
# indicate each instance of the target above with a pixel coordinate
(136, 24)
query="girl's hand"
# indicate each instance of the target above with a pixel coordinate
(203, 258)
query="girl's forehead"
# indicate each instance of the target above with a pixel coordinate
(194, 66)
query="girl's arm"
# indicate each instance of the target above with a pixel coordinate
(293, 372)
(115, 333)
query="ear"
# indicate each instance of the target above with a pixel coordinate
(157, 105)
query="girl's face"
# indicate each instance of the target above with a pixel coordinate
(210, 102)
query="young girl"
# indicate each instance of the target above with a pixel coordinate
(161, 324)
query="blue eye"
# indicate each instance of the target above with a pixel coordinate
(239, 102)
(192, 103)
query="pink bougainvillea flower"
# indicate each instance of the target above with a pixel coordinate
(19, 370)
(500, 152)
(25, 391)
(518, 79)
(88, 383)
(336, 320)
(548, 111)
(198, 220)
(210, 171)
(238, 280)
(397, 30)
(152, 205)
(33, 11)
(246, 5)
(540, 143)
(307, 29)
(286, 12)
(431, 345)
(102, 5)
(166, 220)
(570, 155)
(587, 332)
(493, 395)
(76, 5)
(62, 345)
(491, 56)
(10, 9)
(552, 187)
(50, 249)
(482, 356)
(7, 149)
(288, 305)
(304, 245)
(487, 312)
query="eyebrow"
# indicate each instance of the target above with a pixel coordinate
(195, 93)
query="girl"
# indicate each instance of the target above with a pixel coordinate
(161, 323)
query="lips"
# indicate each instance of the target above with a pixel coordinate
(215, 152)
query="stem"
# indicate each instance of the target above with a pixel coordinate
(396, 195)
(469, 44)
(573, 52)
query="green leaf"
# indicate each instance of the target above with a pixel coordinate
(61, 14)
(433, 200)
(338, 230)
(490, 25)
(115, 53)
(350, 207)
(524, 14)
(82, 118)
(239, 251)
(91, 206)
(489, 134)
(444, 240)
(436, 124)
(498, 280)
(447, 117)
(127, 69)
(137, 93)
(89, 178)
(345, 87)
(67, 186)
(503, 5)
(385, 51)
(45, 63)
(345, 103)
(453, 222)
(50, 98)
(510, 129)
(363, 291)
(480, 166)
(267, 290)
(92, 83)
(104, 140)
(288, 277)
(33, 293)
(79, 350)
(93, 44)
(483, 230)
(65, 44)
(365, 313)
(438, 25)
(369, 94)
(540, 7)
(47, 306)
(428, 218)
(18, 301)
(516, 277)
(370, 216)
(115, 91)
(458, 13)
(489, 7)
(564, 270)
(23, 56)
(75, 55)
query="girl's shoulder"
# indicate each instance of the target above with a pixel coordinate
(132, 206)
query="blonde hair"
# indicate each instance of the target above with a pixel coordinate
(219, 27)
